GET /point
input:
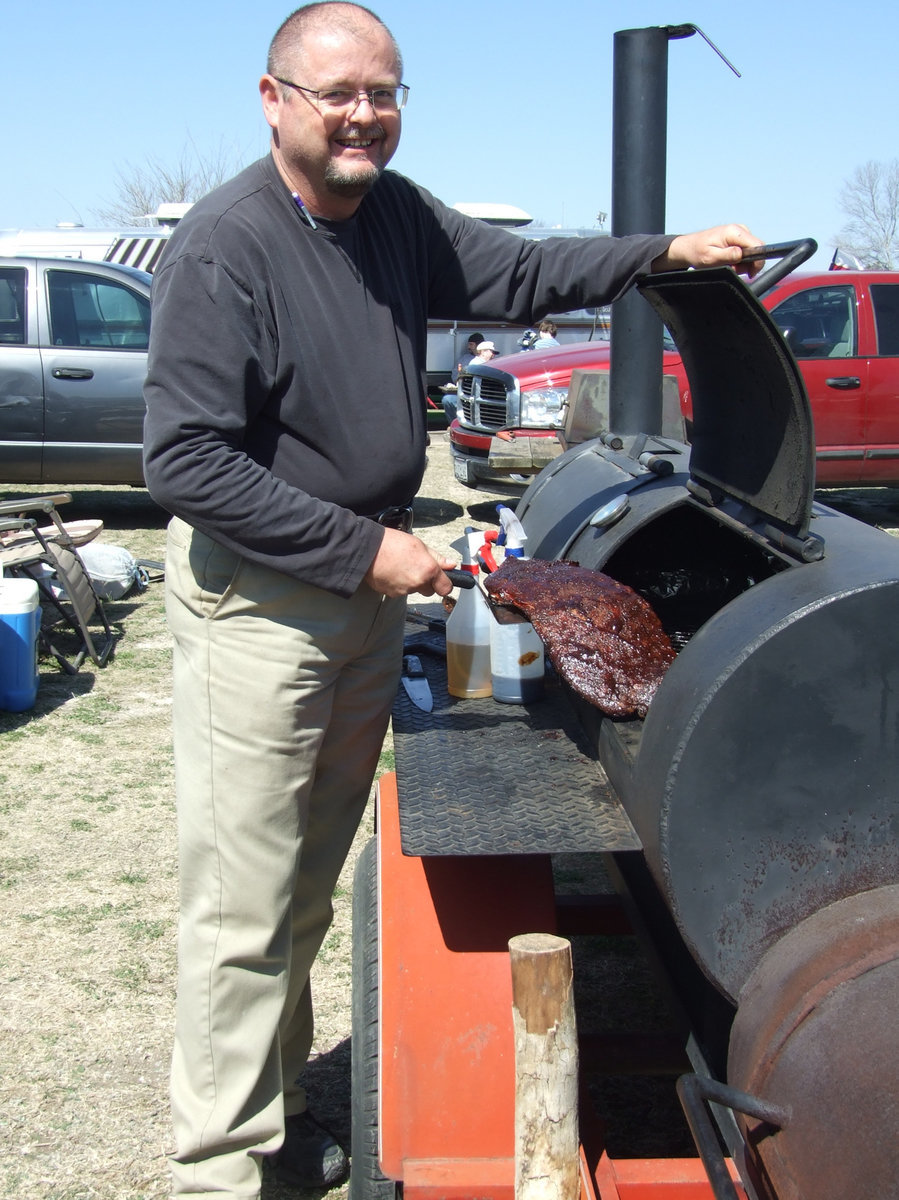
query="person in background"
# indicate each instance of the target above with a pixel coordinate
(450, 398)
(546, 331)
(285, 433)
(471, 350)
(486, 351)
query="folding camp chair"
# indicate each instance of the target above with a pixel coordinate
(77, 533)
(68, 597)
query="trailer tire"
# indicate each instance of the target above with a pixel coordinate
(366, 1180)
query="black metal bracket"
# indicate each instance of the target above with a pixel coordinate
(695, 1093)
(675, 32)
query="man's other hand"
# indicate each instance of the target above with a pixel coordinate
(722, 246)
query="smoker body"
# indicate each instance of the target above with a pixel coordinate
(762, 782)
(750, 818)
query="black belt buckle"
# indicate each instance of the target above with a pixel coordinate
(398, 516)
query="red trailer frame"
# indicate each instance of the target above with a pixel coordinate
(445, 1043)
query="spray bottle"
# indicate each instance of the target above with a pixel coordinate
(516, 652)
(468, 630)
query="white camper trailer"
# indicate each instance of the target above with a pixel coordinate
(139, 247)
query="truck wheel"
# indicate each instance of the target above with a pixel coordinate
(366, 1180)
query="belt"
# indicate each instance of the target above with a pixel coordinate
(398, 516)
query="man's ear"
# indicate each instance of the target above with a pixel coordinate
(270, 91)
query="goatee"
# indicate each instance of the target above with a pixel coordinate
(351, 184)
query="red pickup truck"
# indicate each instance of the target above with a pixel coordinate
(842, 327)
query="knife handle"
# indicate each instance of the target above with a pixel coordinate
(460, 578)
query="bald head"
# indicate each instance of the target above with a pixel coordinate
(330, 16)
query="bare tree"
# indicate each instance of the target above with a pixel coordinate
(141, 190)
(870, 200)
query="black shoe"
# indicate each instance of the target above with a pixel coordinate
(310, 1156)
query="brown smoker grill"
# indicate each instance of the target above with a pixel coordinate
(762, 783)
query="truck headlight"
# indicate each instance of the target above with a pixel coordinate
(544, 407)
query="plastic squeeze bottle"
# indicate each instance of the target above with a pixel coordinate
(516, 651)
(468, 630)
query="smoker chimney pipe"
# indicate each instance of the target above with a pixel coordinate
(639, 163)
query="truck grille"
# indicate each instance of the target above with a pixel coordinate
(483, 401)
(492, 391)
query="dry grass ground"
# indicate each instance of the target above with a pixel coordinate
(88, 892)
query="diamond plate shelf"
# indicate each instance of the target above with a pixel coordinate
(479, 777)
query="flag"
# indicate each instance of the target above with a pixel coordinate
(844, 261)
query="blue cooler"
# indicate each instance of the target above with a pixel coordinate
(20, 617)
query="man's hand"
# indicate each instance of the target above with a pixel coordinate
(404, 565)
(722, 246)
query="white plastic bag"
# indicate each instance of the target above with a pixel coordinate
(113, 570)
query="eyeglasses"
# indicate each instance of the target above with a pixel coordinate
(327, 100)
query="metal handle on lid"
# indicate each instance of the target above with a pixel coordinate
(791, 255)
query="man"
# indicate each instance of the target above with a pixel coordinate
(450, 398)
(286, 301)
(465, 358)
(471, 350)
(484, 351)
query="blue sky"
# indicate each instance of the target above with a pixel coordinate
(511, 103)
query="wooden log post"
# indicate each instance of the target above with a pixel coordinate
(546, 1069)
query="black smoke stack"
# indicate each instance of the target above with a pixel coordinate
(639, 166)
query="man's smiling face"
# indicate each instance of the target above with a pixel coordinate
(333, 158)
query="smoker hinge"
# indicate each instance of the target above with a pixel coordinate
(705, 495)
(808, 549)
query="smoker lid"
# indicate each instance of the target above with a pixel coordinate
(752, 424)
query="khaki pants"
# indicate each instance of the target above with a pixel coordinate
(282, 694)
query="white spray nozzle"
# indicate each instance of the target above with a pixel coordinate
(469, 546)
(513, 536)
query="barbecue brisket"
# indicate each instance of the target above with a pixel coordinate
(601, 636)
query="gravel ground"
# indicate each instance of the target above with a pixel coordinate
(87, 887)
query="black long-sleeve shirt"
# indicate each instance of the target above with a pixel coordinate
(287, 364)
